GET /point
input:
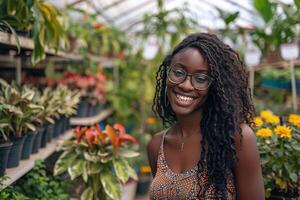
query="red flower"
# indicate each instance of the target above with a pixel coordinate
(123, 136)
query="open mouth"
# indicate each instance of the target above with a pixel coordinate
(184, 100)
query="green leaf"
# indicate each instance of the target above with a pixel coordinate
(121, 165)
(64, 161)
(264, 8)
(126, 153)
(296, 147)
(93, 168)
(293, 176)
(30, 126)
(297, 3)
(76, 169)
(230, 18)
(132, 173)
(85, 176)
(87, 194)
(111, 184)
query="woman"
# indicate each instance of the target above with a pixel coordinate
(209, 151)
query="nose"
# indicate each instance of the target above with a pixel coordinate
(186, 85)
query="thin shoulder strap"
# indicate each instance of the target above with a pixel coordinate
(163, 138)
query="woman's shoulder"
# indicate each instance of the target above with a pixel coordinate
(155, 141)
(245, 145)
(153, 150)
(246, 136)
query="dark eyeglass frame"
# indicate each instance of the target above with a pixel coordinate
(210, 79)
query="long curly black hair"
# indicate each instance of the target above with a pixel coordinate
(227, 106)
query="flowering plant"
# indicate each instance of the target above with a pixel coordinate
(279, 147)
(99, 157)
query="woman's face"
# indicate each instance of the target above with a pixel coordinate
(183, 97)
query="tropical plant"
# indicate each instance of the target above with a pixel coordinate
(38, 17)
(93, 36)
(279, 146)
(99, 157)
(18, 108)
(279, 27)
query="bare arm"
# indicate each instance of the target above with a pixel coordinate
(248, 176)
(153, 149)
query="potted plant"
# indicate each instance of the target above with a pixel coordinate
(279, 78)
(278, 142)
(20, 111)
(99, 158)
(5, 144)
(279, 27)
(38, 17)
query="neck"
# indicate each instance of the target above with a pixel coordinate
(189, 124)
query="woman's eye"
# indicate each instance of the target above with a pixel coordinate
(201, 78)
(179, 72)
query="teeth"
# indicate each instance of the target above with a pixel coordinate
(184, 98)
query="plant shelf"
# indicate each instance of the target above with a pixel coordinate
(27, 43)
(86, 121)
(26, 165)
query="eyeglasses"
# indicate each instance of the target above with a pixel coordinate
(199, 81)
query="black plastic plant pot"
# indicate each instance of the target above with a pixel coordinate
(143, 184)
(4, 151)
(37, 140)
(15, 153)
(50, 130)
(45, 136)
(57, 127)
(27, 147)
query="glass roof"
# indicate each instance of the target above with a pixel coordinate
(127, 14)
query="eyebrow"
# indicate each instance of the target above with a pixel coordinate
(183, 66)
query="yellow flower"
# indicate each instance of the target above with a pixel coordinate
(283, 132)
(145, 169)
(151, 120)
(265, 114)
(258, 121)
(293, 118)
(273, 119)
(264, 132)
(297, 123)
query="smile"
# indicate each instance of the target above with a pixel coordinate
(185, 100)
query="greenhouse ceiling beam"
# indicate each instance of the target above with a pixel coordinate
(132, 9)
(99, 11)
(217, 7)
(113, 4)
(252, 12)
(76, 2)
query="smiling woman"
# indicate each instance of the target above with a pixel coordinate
(209, 150)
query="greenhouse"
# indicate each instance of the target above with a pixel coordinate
(149, 99)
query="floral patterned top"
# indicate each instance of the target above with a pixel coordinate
(169, 185)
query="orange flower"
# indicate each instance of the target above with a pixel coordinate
(123, 136)
(100, 133)
(151, 120)
(79, 133)
(112, 136)
(91, 136)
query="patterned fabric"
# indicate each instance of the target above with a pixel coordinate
(169, 185)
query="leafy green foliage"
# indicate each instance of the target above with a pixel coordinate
(38, 185)
(38, 17)
(280, 25)
(265, 9)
